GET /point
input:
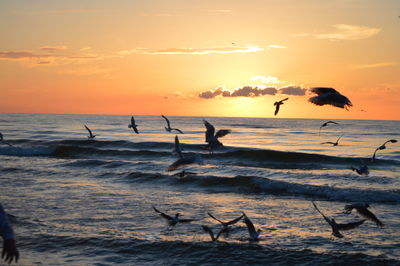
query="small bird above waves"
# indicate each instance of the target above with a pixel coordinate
(362, 209)
(91, 136)
(168, 128)
(172, 221)
(278, 105)
(133, 125)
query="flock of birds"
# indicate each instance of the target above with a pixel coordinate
(254, 234)
(324, 96)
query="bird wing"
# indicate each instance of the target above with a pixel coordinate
(210, 130)
(208, 230)
(350, 226)
(369, 215)
(186, 220)
(373, 156)
(284, 100)
(176, 129)
(1, 137)
(180, 162)
(209, 214)
(339, 138)
(332, 122)
(90, 132)
(178, 147)
(166, 119)
(328, 142)
(234, 220)
(249, 224)
(133, 121)
(323, 90)
(222, 132)
(165, 216)
(277, 109)
(326, 218)
(136, 130)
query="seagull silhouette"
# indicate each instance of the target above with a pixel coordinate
(363, 170)
(182, 159)
(91, 136)
(329, 96)
(133, 125)
(362, 209)
(168, 127)
(172, 221)
(336, 227)
(278, 105)
(382, 147)
(212, 137)
(253, 234)
(325, 124)
(333, 143)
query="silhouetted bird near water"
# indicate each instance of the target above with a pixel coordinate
(278, 105)
(382, 147)
(133, 125)
(169, 128)
(329, 96)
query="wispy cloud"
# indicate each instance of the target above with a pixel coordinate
(293, 90)
(349, 32)
(383, 64)
(266, 79)
(211, 50)
(53, 48)
(274, 46)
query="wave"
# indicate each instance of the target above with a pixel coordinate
(255, 184)
(124, 250)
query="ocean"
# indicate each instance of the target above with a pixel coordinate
(73, 201)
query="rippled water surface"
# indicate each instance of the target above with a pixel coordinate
(75, 201)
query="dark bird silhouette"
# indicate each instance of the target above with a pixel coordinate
(253, 234)
(325, 124)
(225, 225)
(177, 148)
(172, 221)
(212, 137)
(208, 230)
(278, 105)
(336, 227)
(91, 136)
(133, 125)
(182, 159)
(363, 170)
(382, 147)
(333, 143)
(2, 140)
(329, 96)
(362, 209)
(168, 127)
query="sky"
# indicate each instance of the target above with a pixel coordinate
(200, 57)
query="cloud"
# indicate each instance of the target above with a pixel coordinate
(266, 79)
(53, 48)
(245, 91)
(293, 90)
(274, 46)
(212, 50)
(383, 64)
(349, 32)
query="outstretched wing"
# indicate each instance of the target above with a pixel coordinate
(178, 149)
(187, 220)
(210, 131)
(90, 132)
(222, 132)
(209, 214)
(326, 218)
(165, 216)
(166, 119)
(249, 224)
(350, 226)
(328, 142)
(176, 129)
(234, 220)
(132, 121)
(277, 108)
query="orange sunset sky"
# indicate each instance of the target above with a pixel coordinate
(159, 56)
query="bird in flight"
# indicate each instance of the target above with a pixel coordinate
(212, 137)
(382, 147)
(91, 136)
(329, 96)
(168, 127)
(325, 124)
(278, 105)
(333, 143)
(362, 209)
(172, 221)
(225, 225)
(336, 227)
(363, 170)
(182, 159)
(253, 234)
(133, 125)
